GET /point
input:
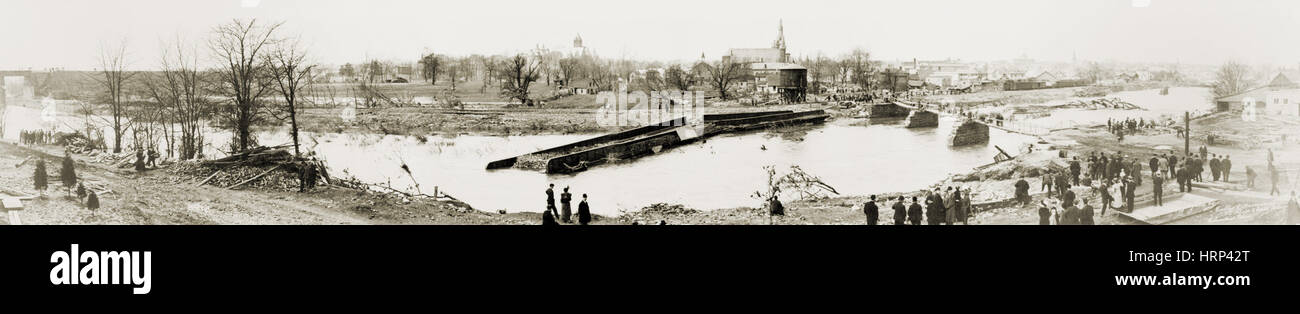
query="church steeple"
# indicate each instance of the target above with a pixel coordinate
(577, 41)
(780, 35)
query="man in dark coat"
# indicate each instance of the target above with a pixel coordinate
(1044, 213)
(1022, 191)
(1048, 179)
(548, 219)
(900, 212)
(1154, 163)
(1158, 186)
(1085, 214)
(872, 211)
(1250, 177)
(1273, 177)
(934, 211)
(1075, 170)
(1106, 197)
(1214, 168)
(1067, 198)
(1173, 163)
(914, 212)
(1225, 167)
(550, 200)
(584, 211)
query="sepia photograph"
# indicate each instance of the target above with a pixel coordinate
(834, 114)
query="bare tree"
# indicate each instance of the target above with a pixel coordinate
(517, 73)
(181, 89)
(858, 66)
(1231, 79)
(113, 77)
(238, 46)
(677, 78)
(430, 67)
(723, 74)
(569, 69)
(292, 73)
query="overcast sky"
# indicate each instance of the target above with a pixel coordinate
(67, 33)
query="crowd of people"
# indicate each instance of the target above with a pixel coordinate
(940, 206)
(564, 214)
(36, 137)
(1121, 127)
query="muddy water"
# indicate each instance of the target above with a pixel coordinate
(855, 156)
(1197, 100)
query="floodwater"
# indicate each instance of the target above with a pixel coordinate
(1196, 100)
(856, 157)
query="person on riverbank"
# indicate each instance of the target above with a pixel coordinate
(872, 211)
(1158, 187)
(1106, 196)
(1273, 177)
(1085, 214)
(1214, 168)
(1048, 179)
(584, 211)
(1173, 163)
(1225, 167)
(1044, 213)
(949, 206)
(1154, 163)
(1250, 177)
(550, 200)
(934, 210)
(1022, 191)
(900, 212)
(1293, 210)
(567, 211)
(1130, 192)
(548, 219)
(1075, 170)
(1062, 184)
(914, 212)
(1205, 152)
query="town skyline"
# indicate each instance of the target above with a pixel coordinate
(350, 31)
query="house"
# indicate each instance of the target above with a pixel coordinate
(1284, 102)
(1261, 98)
(582, 87)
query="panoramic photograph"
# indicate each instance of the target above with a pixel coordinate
(584, 112)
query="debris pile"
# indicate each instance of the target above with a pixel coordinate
(1103, 103)
(269, 168)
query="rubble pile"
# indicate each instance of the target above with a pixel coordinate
(268, 168)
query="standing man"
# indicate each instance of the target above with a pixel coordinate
(1047, 182)
(1181, 176)
(914, 212)
(1044, 213)
(1158, 186)
(1214, 168)
(1106, 197)
(1085, 214)
(1225, 167)
(934, 210)
(1075, 168)
(1273, 177)
(872, 211)
(584, 211)
(900, 212)
(1154, 163)
(1062, 184)
(1250, 177)
(1293, 210)
(1173, 162)
(1022, 191)
(550, 200)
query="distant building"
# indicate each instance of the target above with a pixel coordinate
(776, 54)
(1274, 97)
(578, 49)
(786, 79)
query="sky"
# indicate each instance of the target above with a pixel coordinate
(41, 34)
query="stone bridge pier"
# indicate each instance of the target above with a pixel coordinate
(888, 110)
(969, 132)
(922, 119)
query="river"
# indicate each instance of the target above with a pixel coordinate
(857, 157)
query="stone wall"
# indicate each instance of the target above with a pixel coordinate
(922, 119)
(969, 132)
(888, 111)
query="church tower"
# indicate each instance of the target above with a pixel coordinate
(780, 35)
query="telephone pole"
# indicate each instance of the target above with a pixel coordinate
(1187, 133)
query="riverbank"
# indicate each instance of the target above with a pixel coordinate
(160, 197)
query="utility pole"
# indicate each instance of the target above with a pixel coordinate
(1187, 133)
